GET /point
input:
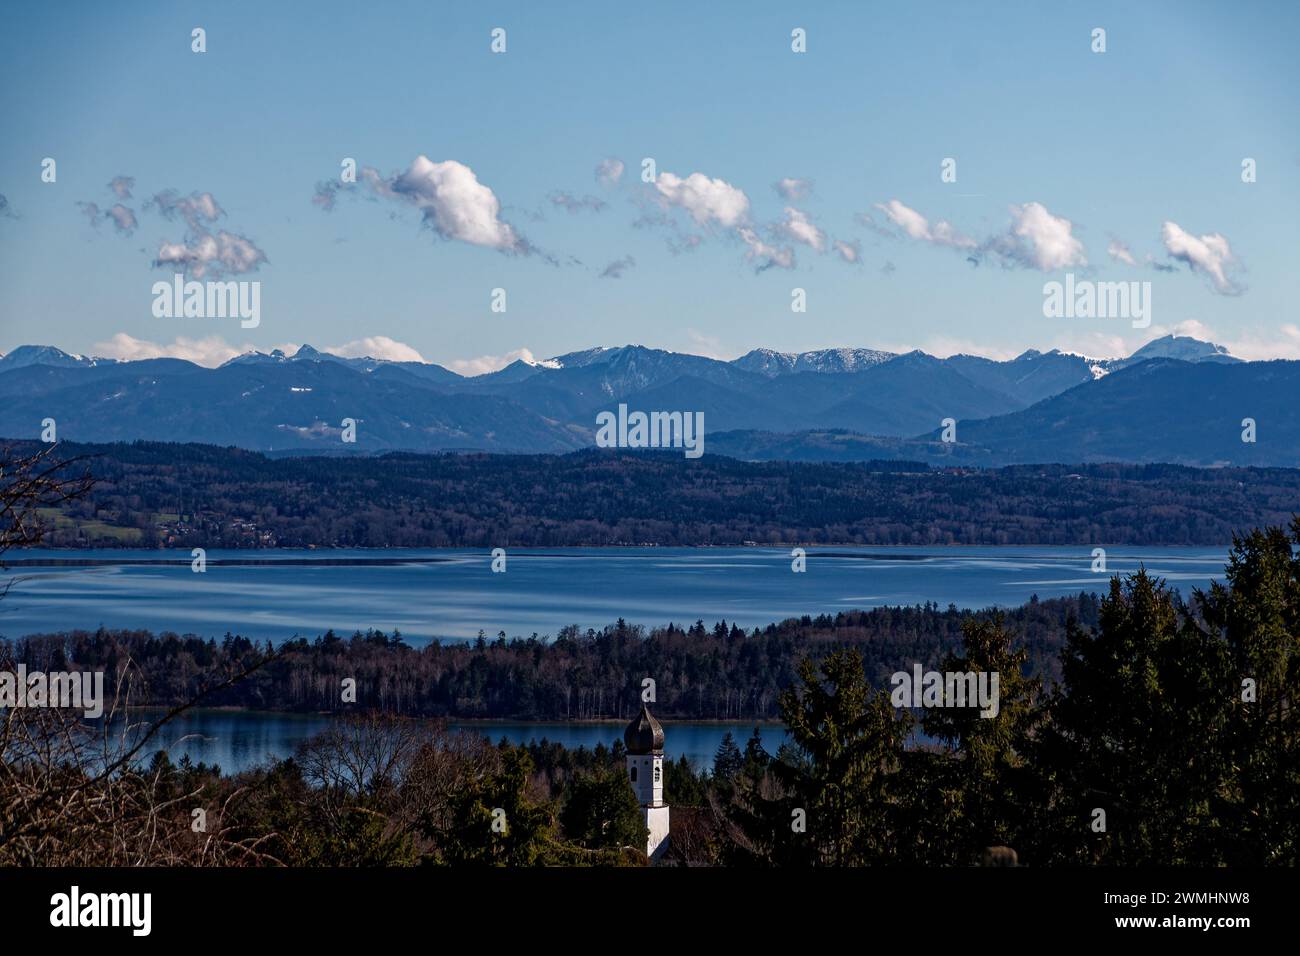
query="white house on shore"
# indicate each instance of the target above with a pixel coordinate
(644, 739)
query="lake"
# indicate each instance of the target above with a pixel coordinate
(238, 740)
(452, 594)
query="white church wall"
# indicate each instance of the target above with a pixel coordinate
(656, 821)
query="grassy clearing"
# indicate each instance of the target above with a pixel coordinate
(56, 520)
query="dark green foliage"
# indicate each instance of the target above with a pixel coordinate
(497, 823)
(852, 738)
(728, 761)
(601, 811)
(238, 499)
(1134, 732)
(1152, 723)
(1256, 614)
(702, 673)
(683, 785)
(976, 794)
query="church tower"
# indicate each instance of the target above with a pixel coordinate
(644, 739)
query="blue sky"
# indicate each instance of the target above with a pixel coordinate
(1067, 161)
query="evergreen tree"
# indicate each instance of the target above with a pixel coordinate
(756, 758)
(1256, 611)
(728, 761)
(852, 740)
(1136, 733)
(601, 811)
(976, 796)
(496, 823)
(683, 787)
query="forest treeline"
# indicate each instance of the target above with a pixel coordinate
(700, 671)
(204, 496)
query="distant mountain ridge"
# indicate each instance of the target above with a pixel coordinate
(1182, 347)
(838, 403)
(767, 362)
(764, 361)
(25, 355)
(771, 363)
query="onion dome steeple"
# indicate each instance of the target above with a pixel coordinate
(644, 735)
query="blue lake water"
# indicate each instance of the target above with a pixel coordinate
(238, 740)
(452, 594)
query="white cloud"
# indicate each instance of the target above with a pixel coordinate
(1097, 345)
(1120, 252)
(122, 186)
(906, 218)
(456, 205)
(1040, 240)
(491, 363)
(1035, 239)
(717, 203)
(793, 190)
(213, 350)
(573, 204)
(707, 200)
(209, 351)
(200, 252)
(1254, 348)
(616, 268)
(850, 252)
(763, 255)
(123, 219)
(1193, 328)
(197, 209)
(1210, 255)
(710, 346)
(917, 226)
(798, 228)
(224, 253)
(376, 346)
(609, 171)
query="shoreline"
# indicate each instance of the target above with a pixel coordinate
(296, 557)
(464, 721)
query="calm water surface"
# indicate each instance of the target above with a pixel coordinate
(238, 740)
(454, 594)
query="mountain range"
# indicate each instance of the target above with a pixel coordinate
(1177, 399)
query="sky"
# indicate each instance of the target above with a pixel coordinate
(774, 170)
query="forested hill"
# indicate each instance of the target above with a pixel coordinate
(701, 671)
(152, 494)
